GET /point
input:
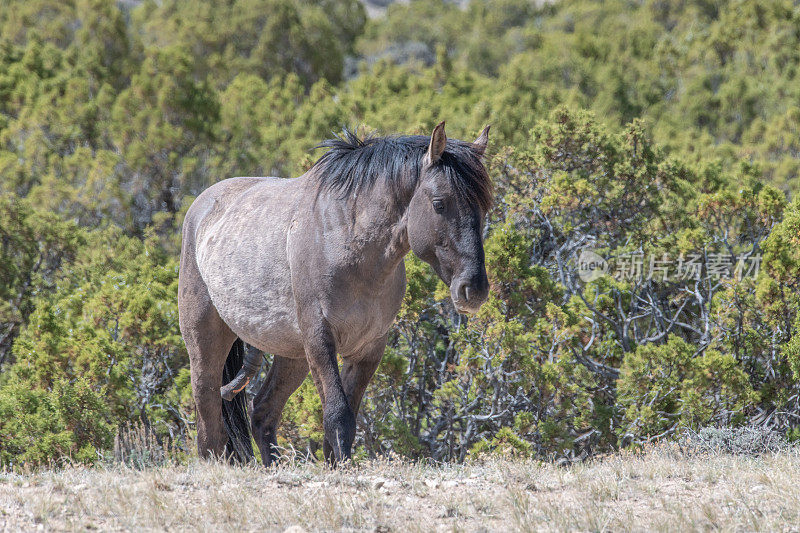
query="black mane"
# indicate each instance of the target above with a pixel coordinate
(352, 164)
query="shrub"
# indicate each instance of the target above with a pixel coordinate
(663, 388)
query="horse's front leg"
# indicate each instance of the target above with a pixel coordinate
(338, 420)
(357, 370)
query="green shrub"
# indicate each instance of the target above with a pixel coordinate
(663, 388)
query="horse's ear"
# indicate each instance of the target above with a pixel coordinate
(436, 147)
(483, 139)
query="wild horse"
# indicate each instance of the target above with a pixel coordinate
(309, 267)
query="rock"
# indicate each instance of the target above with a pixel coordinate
(294, 529)
(390, 486)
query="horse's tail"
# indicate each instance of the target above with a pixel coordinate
(234, 411)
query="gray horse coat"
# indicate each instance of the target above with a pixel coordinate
(309, 267)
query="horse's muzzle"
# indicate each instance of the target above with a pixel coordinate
(469, 292)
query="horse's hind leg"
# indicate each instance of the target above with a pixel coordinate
(284, 376)
(208, 340)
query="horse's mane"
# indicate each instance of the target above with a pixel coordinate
(353, 164)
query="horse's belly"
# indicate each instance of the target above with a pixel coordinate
(241, 257)
(260, 310)
(266, 319)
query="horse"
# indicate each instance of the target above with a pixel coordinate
(311, 267)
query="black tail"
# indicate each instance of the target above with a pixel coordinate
(234, 412)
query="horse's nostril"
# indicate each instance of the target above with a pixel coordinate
(463, 292)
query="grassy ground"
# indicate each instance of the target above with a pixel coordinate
(662, 491)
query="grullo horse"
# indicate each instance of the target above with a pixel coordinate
(312, 267)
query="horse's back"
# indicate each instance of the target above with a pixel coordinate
(236, 232)
(213, 195)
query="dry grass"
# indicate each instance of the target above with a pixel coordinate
(662, 491)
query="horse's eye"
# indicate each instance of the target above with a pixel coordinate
(438, 206)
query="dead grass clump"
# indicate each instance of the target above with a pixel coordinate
(748, 440)
(137, 447)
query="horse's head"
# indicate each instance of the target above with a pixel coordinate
(446, 213)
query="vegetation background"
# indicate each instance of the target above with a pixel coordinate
(657, 128)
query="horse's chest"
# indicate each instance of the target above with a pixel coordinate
(358, 318)
(361, 323)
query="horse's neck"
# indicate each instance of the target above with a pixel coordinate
(391, 236)
(378, 234)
